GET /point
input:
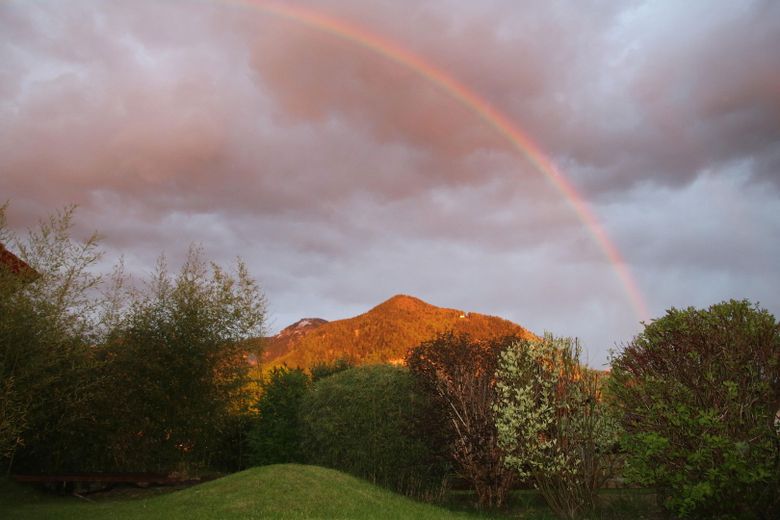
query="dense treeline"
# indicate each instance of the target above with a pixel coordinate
(275, 435)
(97, 375)
(690, 409)
(371, 421)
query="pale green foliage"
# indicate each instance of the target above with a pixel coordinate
(551, 424)
(67, 283)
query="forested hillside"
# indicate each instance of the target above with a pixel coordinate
(381, 335)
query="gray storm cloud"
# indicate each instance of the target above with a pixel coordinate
(342, 177)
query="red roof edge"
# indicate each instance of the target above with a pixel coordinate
(15, 264)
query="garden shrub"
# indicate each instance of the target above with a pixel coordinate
(364, 421)
(275, 436)
(698, 392)
(98, 376)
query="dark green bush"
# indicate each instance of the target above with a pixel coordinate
(698, 392)
(275, 437)
(365, 421)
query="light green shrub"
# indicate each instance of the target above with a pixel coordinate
(552, 424)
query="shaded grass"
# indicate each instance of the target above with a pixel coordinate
(288, 491)
(614, 504)
(292, 491)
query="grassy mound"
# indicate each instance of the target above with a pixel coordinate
(280, 491)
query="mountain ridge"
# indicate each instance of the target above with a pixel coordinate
(383, 334)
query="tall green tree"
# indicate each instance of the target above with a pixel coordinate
(698, 393)
(47, 321)
(178, 365)
(94, 375)
(275, 436)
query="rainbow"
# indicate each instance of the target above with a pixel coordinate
(479, 106)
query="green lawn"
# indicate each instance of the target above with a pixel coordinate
(281, 492)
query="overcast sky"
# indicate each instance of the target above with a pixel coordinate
(343, 177)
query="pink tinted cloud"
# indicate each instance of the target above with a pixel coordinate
(330, 167)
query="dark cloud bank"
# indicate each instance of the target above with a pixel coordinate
(343, 178)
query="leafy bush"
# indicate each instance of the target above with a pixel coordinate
(458, 374)
(699, 392)
(275, 436)
(552, 424)
(363, 421)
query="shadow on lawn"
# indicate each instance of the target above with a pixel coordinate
(614, 504)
